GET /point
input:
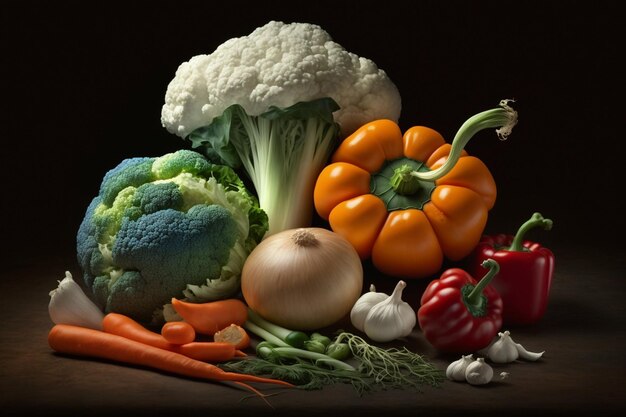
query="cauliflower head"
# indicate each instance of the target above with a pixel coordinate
(278, 65)
(171, 226)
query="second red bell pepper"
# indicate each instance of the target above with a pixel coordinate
(526, 270)
(458, 314)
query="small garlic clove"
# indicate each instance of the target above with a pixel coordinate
(504, 375)
(526, 355)
(70, 305)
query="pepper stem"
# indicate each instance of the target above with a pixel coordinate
(403, 182)
(503, 118)
(474, 298)
(535, 220)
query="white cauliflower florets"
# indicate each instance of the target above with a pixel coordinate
(278, 65)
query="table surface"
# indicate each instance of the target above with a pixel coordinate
(582, 370)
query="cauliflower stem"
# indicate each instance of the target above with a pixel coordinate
(282, 151)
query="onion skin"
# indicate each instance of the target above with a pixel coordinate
(302, 284)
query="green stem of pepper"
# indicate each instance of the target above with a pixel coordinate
(403, 181)
(503, 118)
(535, 220)
(475, 298)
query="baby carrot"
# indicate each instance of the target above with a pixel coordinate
(178, 332)
(122, 325)
(82, 341)
(209, 318)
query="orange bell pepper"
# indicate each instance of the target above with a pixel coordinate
(410, 201)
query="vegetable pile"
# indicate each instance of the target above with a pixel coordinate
(205, 262)
(119, 338)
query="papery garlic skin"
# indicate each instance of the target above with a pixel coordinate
(363, 306)
(479, 372)
(391, 318)
(456, 370)
(70, 305)
(504, 349)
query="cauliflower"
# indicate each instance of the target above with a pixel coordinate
(278, 65)
(275, 103)
(172, 226)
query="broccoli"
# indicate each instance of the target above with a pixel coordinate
(173, 226)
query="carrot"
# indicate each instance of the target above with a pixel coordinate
(83, 341)
(208, 351)
(178, 332)
(209, 318)
(234, 334)
(121, 325)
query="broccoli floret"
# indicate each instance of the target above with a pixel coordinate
(154, 197)
(169, 166)
(179, 233)
(130, 172)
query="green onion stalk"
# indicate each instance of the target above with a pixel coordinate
(346, 359)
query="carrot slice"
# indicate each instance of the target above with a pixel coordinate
(235, 335)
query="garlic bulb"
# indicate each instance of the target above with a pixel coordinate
(391, 318)
(479, 372)
(363, 306)
(70, 305)
(456, 370)
(503, 350)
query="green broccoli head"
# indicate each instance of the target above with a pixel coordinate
(173, 226)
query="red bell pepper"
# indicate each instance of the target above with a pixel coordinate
(525, 271)
(457, 314)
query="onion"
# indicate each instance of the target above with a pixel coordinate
(302, 279)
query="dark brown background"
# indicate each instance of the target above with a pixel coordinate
(82, 89)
